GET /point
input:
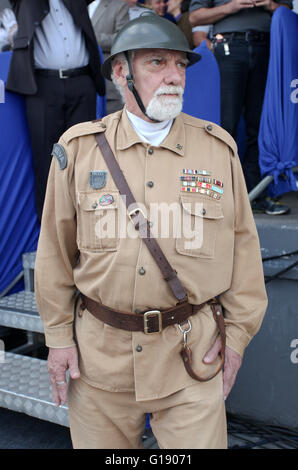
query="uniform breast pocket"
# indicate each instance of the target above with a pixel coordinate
(98, 220)
(200, 222)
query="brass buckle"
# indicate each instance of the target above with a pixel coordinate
(152, 313)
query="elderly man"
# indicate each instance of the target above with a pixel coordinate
(147, 217)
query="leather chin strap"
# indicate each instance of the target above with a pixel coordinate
(131, 87)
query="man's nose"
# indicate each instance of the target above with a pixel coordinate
(174, 75)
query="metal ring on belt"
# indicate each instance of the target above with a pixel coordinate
(63, 73)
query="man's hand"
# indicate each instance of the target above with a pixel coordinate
(231, 366)
(269, 5)
(59, 360)
(236, 5)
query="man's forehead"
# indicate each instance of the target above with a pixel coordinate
(143, 53)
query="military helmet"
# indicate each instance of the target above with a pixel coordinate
(149, 31)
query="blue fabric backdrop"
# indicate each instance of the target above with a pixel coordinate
(202, 90)
(19, 227)
(278, 136)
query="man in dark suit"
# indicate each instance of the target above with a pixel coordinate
(56, 66)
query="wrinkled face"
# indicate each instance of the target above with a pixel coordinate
(160, 81)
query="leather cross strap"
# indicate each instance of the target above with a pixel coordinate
(152, 321)
(139, 220)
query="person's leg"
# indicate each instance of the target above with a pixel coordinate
(44, 112)
(233, 77)
(104, 420)
(256, 84)
(80, 99)
(193, 418)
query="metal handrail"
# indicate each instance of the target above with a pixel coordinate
(255, 192)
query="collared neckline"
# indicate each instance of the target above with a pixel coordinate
(127, 137)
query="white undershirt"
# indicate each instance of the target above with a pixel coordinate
(151, 132)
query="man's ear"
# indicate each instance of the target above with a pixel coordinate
(120, 72)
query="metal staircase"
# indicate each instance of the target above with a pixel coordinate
(24, 380)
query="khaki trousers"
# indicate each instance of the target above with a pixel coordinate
(193, 418)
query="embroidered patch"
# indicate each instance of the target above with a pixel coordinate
(106, 200)
(59, 152)
(98, 179)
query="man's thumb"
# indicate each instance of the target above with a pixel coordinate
(213, 352)
(74, 368)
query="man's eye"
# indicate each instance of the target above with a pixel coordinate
(156, 61)
(182, 65)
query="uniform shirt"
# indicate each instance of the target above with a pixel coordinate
(58, 42)
(250, 19)
(120, 272)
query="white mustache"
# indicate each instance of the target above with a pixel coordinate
(169, 90)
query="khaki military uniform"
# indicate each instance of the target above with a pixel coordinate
(116, 270)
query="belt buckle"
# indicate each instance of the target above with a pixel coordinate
(134, 212)
(152, 313)
(61, 73)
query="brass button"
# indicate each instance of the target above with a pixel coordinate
(150, 184)
(103, 125)
(94, 205)
(139, 348)
(209, 127)
(203, 211)
(150, 151)
(142, 271)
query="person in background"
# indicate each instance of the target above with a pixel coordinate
(108, 17)
(179, 10)
(56, 65)
(8, 29)
(241, 44)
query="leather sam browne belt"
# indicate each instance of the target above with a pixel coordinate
(152, 321)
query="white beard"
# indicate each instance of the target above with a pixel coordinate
(162, 108)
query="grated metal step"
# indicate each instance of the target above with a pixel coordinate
(20, 311)
(25, 387)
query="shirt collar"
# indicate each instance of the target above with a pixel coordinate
(127, 137)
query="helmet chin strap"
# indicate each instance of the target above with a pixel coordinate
(131, 87)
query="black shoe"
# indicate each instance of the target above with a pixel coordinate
(268, 206)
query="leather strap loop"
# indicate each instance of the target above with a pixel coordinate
(186, 353)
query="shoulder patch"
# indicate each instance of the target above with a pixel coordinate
(223, 135)
(59, 152)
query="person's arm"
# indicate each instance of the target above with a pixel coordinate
(104, 39)
(55, 290)
(245, 301)
(202, 16)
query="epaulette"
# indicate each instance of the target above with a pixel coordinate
(221, 134)
(212, 129)
(84, 128)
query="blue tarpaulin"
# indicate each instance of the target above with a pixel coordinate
(201, 97)
(278, 136)
(19, 227)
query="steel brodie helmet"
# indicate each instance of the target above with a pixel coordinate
(149, 31)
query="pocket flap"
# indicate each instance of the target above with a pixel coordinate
(98, 200)
(201, 206)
